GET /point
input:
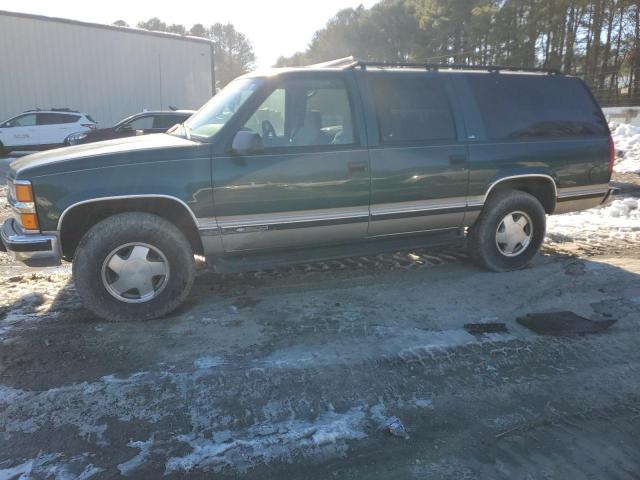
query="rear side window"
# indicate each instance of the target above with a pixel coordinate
(412, 109)
(167, 121)
(535, 106)
(56, 118)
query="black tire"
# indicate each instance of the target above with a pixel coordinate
(482, 243)
(120, 230)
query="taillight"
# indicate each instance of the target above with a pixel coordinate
(92, 126)
(612, 154)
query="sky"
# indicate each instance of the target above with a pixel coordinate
(274, 27)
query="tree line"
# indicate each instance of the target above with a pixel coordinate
(598, 40)
(233, 53)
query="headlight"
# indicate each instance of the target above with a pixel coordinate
(74, 138)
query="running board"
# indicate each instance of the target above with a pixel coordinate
(239, 262)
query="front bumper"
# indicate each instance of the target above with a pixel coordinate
(34, 250)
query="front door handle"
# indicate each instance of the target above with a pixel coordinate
(358, 167)
(457, 159)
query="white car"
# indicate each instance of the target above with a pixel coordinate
(40, 129)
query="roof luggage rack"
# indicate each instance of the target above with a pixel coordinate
(353, 62)
(52, 110)
(451, 66)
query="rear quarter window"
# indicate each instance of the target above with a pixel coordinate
(535, 106)
(56, 118)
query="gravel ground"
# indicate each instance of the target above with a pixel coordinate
(293, 372)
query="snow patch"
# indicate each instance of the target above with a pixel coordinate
(327, 435)
(52, 466)
(627, 141)
(208, 362)
(384, 341)
(138, 460)
(619, 220)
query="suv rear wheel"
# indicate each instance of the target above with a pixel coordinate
(133, 266)
(508, 232)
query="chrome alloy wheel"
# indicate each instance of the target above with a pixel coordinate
(514, 234)
(135, 272)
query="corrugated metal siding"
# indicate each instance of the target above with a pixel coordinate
(106, 73)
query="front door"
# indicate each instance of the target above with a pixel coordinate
(419, 172)
(311, 183)
(21, 131)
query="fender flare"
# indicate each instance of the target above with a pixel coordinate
(125, 197)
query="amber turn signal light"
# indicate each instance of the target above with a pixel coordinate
(29, 221)
(24, 193)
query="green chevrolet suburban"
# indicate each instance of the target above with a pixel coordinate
(336, 159)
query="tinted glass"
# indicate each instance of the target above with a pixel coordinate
(534, 106)
(142, 123)
(56, 118)
(167, 121)
(28, 120)
(305, 113)
(412, 109)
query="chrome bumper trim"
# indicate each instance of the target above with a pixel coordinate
(34, 250)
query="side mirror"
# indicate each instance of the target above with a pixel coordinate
(246, 143)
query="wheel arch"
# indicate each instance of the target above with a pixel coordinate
(540, 185)
(85, 214)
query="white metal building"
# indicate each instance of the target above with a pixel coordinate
(106, 71)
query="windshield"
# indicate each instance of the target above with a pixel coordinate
(207, 121)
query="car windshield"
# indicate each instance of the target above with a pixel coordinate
(207, 121)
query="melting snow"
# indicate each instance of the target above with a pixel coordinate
(619, 220)
(271, 441)
(52, 466)
(627, 140)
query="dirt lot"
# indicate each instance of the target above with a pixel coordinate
(291, 373)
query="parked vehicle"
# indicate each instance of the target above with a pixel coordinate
(138, 124)
(41, 129)
(308, 163)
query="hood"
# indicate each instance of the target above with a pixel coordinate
(100, 153)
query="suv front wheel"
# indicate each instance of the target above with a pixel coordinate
(133, 266)
(508, 232)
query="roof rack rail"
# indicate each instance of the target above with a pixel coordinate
(450, 66)
(345, 62)
(52, 110)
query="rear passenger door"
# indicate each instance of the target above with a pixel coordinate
(310, 185)
(419, 172)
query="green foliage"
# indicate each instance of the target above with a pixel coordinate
(596, 39)
(233, 52)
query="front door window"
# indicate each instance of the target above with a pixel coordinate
(305, 113)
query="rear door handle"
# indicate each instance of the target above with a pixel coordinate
(358, 167)
(457, 159)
